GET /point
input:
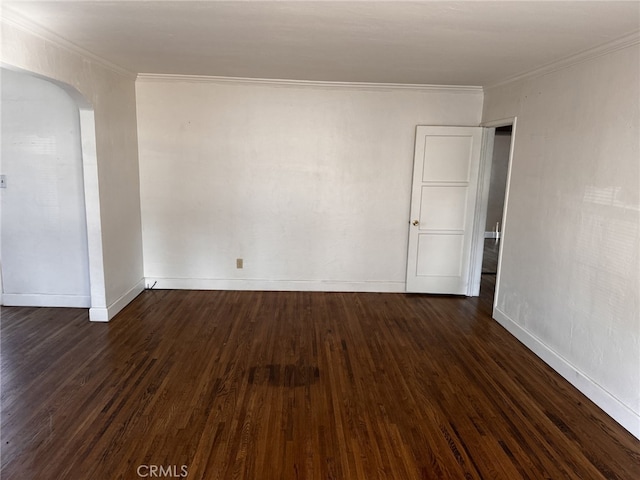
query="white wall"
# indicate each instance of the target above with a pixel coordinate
(43, 225)
(570, 278)
(115, 239)
(310, 185)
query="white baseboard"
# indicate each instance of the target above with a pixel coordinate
(45, 300)
(98, 314)
(272, 285)
(621, 413)
(105, 314)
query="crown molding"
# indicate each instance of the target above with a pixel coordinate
(15, 19)
(154, 77)
(584, 56)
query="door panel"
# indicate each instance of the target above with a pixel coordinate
(448, 263)
(449, 157)
(443, 200)
(443, 208)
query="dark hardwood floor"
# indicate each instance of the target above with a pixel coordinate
(268, 385)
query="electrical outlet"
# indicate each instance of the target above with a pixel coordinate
(239, 263)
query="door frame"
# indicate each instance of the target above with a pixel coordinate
(482, 199)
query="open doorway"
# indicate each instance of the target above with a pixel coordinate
(491, 209)
(495, 204)
(98, 310)
(43, 229)
(497, 171)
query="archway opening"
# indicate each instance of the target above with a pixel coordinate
(50, 240)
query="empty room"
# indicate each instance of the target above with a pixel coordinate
(187, 286)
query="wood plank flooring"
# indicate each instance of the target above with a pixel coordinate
(275, 385)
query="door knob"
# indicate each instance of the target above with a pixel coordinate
(415, 223)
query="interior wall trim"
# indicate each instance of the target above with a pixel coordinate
(617, 410)
(153, 77)
(273, 285)
(45, 300)
(105, 314)
(14, 19)
(566, 62)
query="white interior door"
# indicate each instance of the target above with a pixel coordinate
(443, 198)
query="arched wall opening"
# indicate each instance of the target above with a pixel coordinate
(50, 234)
